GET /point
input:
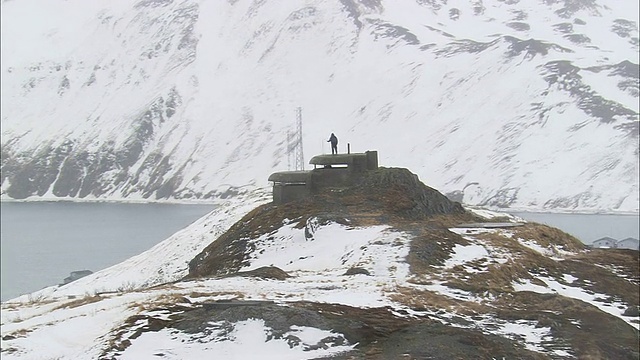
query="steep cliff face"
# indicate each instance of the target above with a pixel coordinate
(536, 105)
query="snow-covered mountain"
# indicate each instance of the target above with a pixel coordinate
(519, 104)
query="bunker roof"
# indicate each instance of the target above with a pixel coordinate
(336, 159)
(290, 177)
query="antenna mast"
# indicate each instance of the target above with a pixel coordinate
(290, 147)
(298, 150)
(294, 144)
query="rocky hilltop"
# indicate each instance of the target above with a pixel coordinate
(484, 291)
(388, 268)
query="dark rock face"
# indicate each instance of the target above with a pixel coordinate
(569, 8)
(464, 46)
(519, 26)
(74, 167)
(68, 169)
(531, 47)
(383, 29)
(566, 76)
(407, 195)
(356, 271)
(265, 272)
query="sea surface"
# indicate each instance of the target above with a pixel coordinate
(589, 227)
(43, 242)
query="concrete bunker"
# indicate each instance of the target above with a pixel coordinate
(330, 171)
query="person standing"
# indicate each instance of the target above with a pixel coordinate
(334, 144)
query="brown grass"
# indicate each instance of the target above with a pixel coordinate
(89, 299)
(547, 236)
(431, 301)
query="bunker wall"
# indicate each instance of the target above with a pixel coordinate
(284, 193)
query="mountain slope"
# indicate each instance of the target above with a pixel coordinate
(371, 271)
(522, 105)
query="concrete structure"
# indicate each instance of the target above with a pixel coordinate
(340, 170)
(290, 185)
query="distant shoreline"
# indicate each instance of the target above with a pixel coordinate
(115, 201)
(218, 201)
(555, 211)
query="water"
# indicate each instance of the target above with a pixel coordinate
(589, 227)
(42, 242)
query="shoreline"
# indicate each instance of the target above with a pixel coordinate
(511, 211)
(116, 201)
(219, 201)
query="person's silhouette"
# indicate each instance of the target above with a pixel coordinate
(334, 143)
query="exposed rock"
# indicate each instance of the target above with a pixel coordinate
(357, 271)
(532, 47)
(402, 193)
(565, 76)
(68, 169)
(519, 26)
(265, 272)
(378, 332)
(624, 28)
(386, 30)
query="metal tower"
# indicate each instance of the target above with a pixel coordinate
(294, 144)
(290, 149)
(299, 154)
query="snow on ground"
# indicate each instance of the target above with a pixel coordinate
(332, 248)
(57, 314)
(478, 248)
(601, 301)
(79, 320)
(464, 254)
(533, 335)
(50, 331)
(528, 332)
(248, 338)
(552, 251)
(492, 214)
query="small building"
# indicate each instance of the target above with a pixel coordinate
(605, 242)
(610, 243)
(628, 243)
(290, 185)
(339, 171)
